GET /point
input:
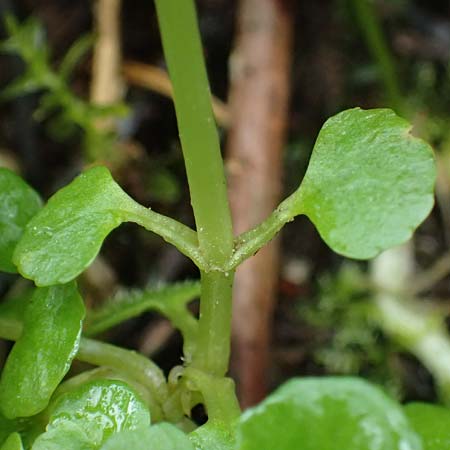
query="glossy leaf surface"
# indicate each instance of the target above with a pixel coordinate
(14, 442)
(43, 354)
(163, 436)
(64, 238)
(19, 203)
(432, 423)
(100, 408)
(213, 436)
(369, 183)
(327, 414)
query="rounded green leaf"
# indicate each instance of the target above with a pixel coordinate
(66, 235)
(100, 408)
(432, 423)
(326, 414)
(213, 436)
(43, 354)
(14, 442)
(163, 436)
(19, 203)
(66, 436)
(369, 183)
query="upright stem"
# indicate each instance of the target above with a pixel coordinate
(197, 128)
(205, 172)
(213, 344)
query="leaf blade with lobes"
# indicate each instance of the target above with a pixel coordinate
(369, 183)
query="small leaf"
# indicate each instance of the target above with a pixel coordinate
(24, 85)
(66, 436)
(169, 300)
(19, 203)
(73, 56)
(14, 442)
(100, 408)
(64, 238)
(326, 414)
(369, 183)
(432, 423)
(163, 436)
(213, 436)
(43, 354)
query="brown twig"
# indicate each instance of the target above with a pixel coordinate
(260, 67)
(157, 80)
(106, 84)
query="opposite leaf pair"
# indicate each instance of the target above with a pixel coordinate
(369, 184)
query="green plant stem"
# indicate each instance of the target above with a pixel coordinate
(135, 366)
(131, 363)
(213, 342)
(217, 392)
(205, 173)
(373, 34)
(248, 243)
(197, 128)
(172, 231)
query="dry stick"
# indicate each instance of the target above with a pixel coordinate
(156, 79)
(106, 84)
(259, 95)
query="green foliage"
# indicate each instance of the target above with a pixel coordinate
(45, 349)
(7, 427)
(326, 414)
(19, 204)
(169, 300)
(214, 435)
(84, 212)
(432, 423)
(368, 186)
(91, 414)
(68, 112)
(158, 437)
(14, 442)
(67, 435)
(369, 183)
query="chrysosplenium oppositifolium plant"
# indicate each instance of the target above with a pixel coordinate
(369, 184)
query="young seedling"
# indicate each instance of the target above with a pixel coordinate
(369, 184)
